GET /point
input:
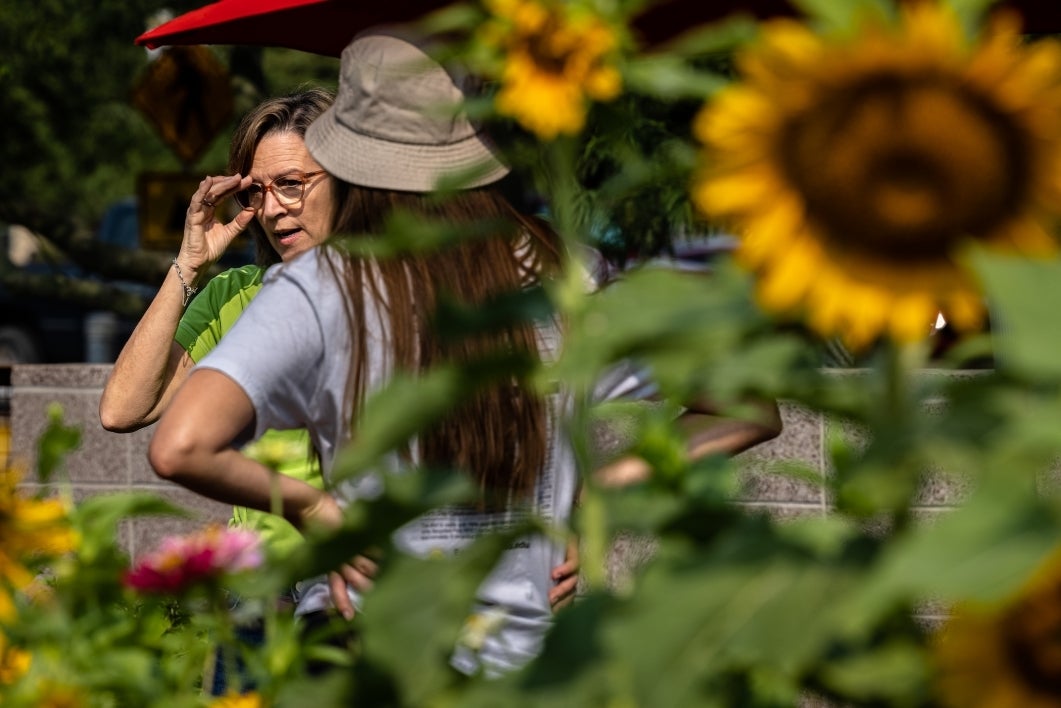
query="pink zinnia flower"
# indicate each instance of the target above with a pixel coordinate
(183, 561)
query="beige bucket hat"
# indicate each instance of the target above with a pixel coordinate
(398, 120)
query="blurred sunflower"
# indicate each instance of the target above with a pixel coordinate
(556, 57)
(859, 171)
(13, 662)
(29, 529)
(59, 695)
(246, 700)
(1006, 655)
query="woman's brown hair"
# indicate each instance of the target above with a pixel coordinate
(291, 113)
(500, 435)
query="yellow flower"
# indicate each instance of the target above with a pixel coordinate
(14, 662)
(859, 171)
(480, 627)
(58, 695)
(556, 59)
(277, 451)
(29, 528)
(232, 700)
(1008, 655)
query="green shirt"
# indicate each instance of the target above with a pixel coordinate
(209, 316)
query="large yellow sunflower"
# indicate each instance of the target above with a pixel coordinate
(29, 528)
(858, 170)
(557, 57)
(1005, 656)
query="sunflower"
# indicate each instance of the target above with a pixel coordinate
(1005, 655)
(29, 529)
(859, 171)
(557, 58)
(14, 662)
(232, 700)
(54, 694)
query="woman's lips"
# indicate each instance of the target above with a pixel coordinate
(288, 237)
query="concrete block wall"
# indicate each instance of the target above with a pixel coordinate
(105, 462)
(109, 462)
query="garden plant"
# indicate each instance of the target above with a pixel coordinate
(881, 165)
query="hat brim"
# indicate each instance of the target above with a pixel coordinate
(371, 161)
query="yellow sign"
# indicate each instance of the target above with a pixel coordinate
(163, 198)
(186, 94)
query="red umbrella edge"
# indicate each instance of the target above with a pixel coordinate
(326, 26)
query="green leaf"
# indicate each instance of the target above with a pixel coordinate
(676, 322)
(55, 443)
(395, 414)
(972, 12)
(896, 671)
(369, 523)
(842, 17)
(415, 613)
(1022, 296)
(718, 38)
(407, 233)
(982, 550)
(700, 613)
(669, 78)
(454, 320)
(97, 518)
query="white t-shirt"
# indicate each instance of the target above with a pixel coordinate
(290, 353)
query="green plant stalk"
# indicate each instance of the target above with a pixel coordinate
(901, 361)
(569, 297)
(226, 638)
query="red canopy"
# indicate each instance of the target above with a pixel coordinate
(326, 26)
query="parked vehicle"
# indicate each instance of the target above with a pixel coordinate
(51, 329)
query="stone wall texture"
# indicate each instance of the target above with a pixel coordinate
(112, 462)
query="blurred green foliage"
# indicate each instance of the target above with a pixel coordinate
(736, 607)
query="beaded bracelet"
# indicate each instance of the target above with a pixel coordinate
(188, 290)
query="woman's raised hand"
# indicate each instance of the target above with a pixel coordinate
(205, 236)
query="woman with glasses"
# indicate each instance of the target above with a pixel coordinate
(182, 325)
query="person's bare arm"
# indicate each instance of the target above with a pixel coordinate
(200, 457)
(151, 366)
(707, 433)
(193, 447)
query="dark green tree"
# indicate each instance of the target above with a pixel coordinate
(73, 143)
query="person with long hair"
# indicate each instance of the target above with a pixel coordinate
(332, 326)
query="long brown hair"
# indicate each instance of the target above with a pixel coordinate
(290, 113)
(500, 435)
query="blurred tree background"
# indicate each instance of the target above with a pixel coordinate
(74, 143)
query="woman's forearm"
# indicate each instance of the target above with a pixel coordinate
(229, 477)
(150, 367)
(194, 446)
(706, 433)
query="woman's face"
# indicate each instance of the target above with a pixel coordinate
(292, 227)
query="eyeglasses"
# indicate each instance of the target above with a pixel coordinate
(288, 190)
